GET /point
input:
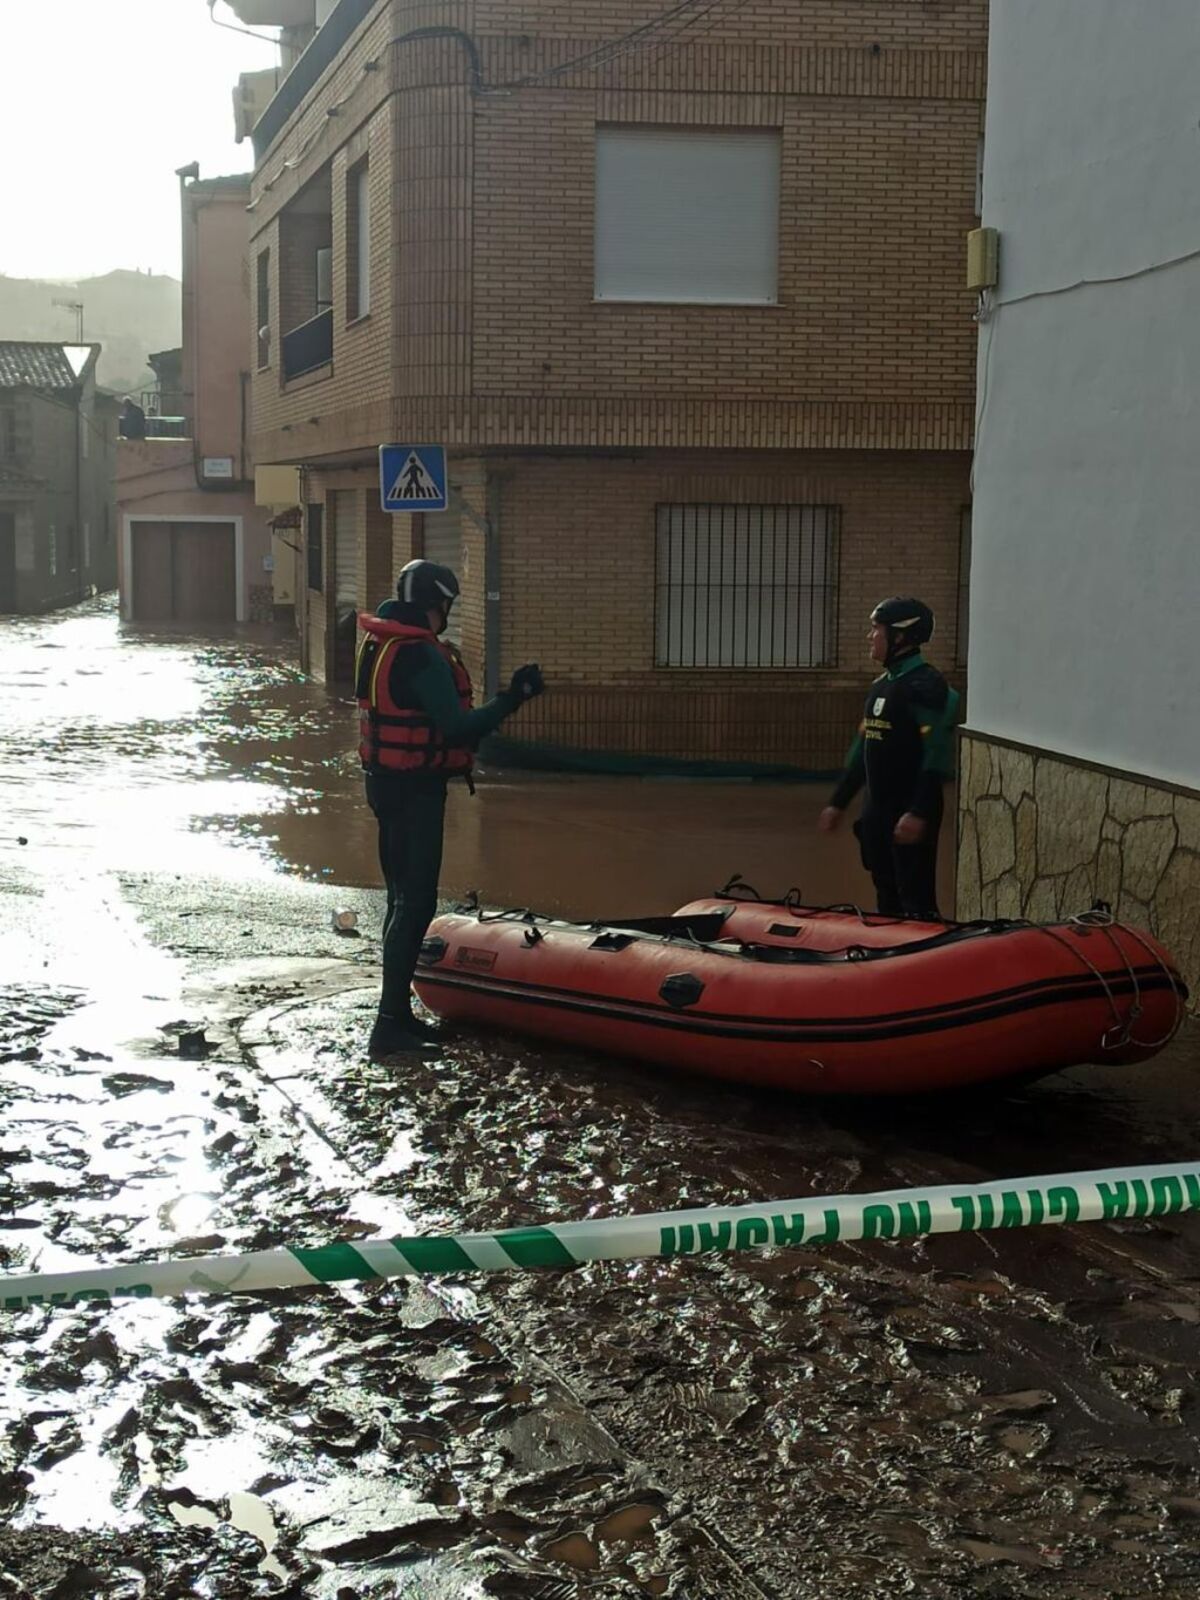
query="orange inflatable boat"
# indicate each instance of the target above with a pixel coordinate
(816, 1000)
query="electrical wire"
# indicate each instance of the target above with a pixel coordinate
(988, 315)
(707, 10)
(263, 38)
(641, 37)
(601, 54)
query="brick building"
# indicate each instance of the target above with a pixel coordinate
(681, 292)
(57, 449)
(194, 546)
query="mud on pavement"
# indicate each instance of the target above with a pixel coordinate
(999, 1415)
(987, 1415)
(330, 1443)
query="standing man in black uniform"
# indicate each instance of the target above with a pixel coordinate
(903, 754)
(418, 729)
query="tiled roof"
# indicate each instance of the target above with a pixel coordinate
(34, 366)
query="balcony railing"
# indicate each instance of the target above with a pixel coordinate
(322, 52)
(152, 427)
(163, 403)
(309, 346)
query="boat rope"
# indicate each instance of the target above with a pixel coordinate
(1121, 1032)
(1145, 1044)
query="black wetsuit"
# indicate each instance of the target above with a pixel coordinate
(903, 754)
(410, 807)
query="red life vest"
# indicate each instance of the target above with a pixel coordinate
(395, 737)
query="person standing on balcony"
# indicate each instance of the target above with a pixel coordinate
(131, 424)
(903, 755)
(418, 729)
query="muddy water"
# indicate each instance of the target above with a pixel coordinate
(1001, 1415)
(152, 750)
(1006, 1415)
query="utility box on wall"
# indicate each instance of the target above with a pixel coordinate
(983, 258)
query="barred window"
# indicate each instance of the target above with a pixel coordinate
(746, 586)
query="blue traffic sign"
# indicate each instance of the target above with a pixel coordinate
(412, 477)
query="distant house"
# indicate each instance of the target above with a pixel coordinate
(57, 469)
(194, 546)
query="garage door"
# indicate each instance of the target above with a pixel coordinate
(184, 572)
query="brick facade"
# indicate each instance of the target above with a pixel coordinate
(570, 418)
(577, 587)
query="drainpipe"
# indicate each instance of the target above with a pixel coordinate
(78, 541)
(301, 578)
(491, 585)
(489, 525)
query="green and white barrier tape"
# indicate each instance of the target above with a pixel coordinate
(1154, 1191)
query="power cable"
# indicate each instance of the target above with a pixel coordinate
(231, 27)
(601, 54)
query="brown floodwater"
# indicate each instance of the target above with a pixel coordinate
(147, 749)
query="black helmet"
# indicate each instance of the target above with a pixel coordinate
(426, 584)
(909, 617)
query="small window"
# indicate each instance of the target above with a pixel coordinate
(263, 308)
(964, 583)
(8, 433)
(358, 242)
(315, 546)
(687, 215)
(746, 586)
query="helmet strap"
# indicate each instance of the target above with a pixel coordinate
(899, 646)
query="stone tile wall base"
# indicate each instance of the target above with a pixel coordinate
(1043, 837)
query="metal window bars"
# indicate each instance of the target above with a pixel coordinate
(746, 586)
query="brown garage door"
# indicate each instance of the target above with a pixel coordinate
(184, 572)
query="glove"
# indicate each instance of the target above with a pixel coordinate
(527, 682)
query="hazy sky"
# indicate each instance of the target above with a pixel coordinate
(101, 101)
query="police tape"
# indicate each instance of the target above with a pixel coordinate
(1121, 1192)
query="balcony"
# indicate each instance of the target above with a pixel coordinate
(326, 46)
(162, 416)
(275, 13)
(309, 346)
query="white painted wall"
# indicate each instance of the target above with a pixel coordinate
(1085, 576)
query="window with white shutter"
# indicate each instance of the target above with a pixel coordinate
(687, 215)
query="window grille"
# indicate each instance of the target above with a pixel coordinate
(746, 586)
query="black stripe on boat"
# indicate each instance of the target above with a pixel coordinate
(964, 1014)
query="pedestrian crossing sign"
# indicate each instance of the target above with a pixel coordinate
(412, 477)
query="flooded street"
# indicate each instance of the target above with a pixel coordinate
(1002, 1415)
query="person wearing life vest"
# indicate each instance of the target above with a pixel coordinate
(902, 755)
(418, 729)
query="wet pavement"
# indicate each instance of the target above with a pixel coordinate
(998, 1415)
